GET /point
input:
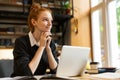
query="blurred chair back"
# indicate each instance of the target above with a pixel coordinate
(6, 68)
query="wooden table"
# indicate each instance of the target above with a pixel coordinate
(102, 76)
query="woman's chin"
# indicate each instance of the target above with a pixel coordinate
(47, 31)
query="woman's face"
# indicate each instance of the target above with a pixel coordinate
(44, 22)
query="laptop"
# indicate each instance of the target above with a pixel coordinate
(72, 63)
(73, 60)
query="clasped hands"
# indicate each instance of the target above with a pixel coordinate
(45, 39)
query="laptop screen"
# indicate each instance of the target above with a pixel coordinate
(73, 60)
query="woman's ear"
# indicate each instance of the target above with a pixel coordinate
(33, 22)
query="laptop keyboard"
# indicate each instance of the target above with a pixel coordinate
(54, 78)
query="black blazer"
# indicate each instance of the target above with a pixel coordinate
(23, 53)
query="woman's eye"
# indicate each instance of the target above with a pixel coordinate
(45, 19)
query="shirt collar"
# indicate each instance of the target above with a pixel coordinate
(32, 39)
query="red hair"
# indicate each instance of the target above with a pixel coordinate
(35, 10)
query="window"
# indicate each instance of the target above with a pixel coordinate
(113, 36)
(95, 2)
(104, 33)
(97, 30)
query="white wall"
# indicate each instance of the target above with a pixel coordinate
(6, 54)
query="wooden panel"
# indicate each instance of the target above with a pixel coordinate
(82, 15)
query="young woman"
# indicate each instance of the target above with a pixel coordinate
(36, 52)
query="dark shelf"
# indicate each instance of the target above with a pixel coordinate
(22, 15)
(13, 15)
(6, 47)
(14, 4)
(17, 14)
(15, 23)
(61, 17)
(12, 34)
(55, 8)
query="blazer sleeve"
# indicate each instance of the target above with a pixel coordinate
(21, 58)
(54, 52)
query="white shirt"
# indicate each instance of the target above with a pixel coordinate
(32, 40)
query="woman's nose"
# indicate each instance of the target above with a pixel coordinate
(49, 23)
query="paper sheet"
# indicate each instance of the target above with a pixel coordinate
(107, 75)
(6, 79)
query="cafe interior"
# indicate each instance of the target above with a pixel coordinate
(85, 23)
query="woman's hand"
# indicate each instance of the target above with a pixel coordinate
(48, 42)
(45, 39)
